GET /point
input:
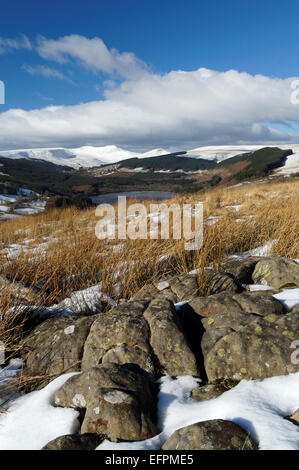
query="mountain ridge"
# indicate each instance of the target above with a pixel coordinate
(91, 156)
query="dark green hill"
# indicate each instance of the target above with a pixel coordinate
(171, 162)
(256, 164)
(41, 176)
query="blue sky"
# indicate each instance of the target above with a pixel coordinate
(162, 37)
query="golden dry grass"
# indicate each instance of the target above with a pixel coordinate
(59, 252)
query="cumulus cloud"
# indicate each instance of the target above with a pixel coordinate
(178, 110)
(92, 54)
(8, 45)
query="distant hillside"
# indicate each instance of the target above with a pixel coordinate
(256, 164)
(41, 176)
(171, 162)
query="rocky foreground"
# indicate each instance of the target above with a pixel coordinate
(239, 331)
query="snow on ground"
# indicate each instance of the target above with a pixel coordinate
(257, 406)
(259, 251)
(25, 206)
(288, 297)
(33, 420)
(78, 302)
(259, 287)
(87, 299)
(15, 249)
(27, 192)
(212, 220)
(26, 211)
(292, 163)
(236, 207)
(4, 198)
(245, 218)
(6, 216)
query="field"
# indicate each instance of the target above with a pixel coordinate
(56, 252)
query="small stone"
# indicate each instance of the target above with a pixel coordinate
(75, 442)
(208, 392)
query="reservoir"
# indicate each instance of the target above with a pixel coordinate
(112, 198)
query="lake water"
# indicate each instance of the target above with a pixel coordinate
(112, 198)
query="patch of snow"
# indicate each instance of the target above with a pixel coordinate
(162, 285)
(32, 420)
(195, 271)
(26, 211)
(13, 251)
(259, 287)
(87, 299)
(259, 407)
(78, 302)
(9, 216)
(288, 297)
(259, 251)
(212, 220)
(235, 207)
(8, 198)
(245, 218)
(27, 192)
(291, 165)
(69, 330)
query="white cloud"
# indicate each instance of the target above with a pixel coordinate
(45, 71)
(91, 53)
(179, 109)
(8, 45)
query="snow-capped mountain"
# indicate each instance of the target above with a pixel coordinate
(86, 156)
(89, 156)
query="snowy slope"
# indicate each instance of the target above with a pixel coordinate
(86, 156)
(220, 153)
(292, 163)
